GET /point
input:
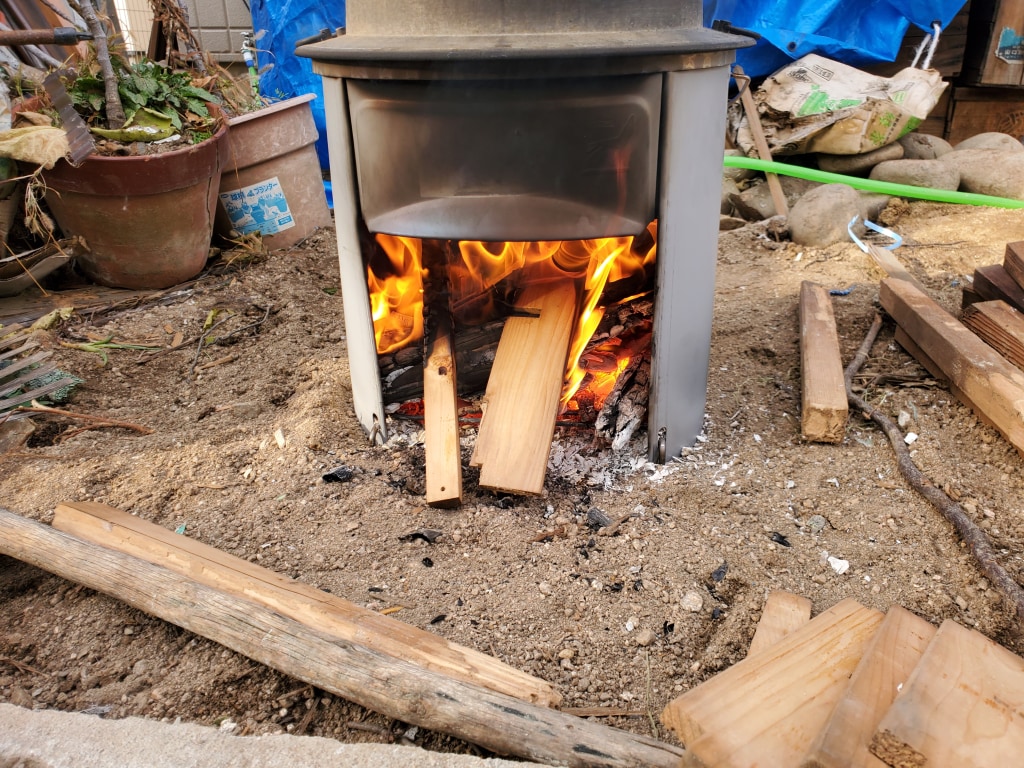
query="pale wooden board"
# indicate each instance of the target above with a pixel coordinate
(326, 613)
(521, 400)
(887, 664)
(963, 706)
(783, 613)
(1000, 326)
(441, 422)
(766, 709)
(824, 409)
(993, 386)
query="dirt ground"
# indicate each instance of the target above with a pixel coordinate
(239, 448)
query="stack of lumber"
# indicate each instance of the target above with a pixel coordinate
(980, 356)
(1002, 282)
(855, 687)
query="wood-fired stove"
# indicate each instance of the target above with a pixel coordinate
(534, 120)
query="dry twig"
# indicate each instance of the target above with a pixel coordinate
(97, 422)
(973, 537)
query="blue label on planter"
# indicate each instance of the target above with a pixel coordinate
(260, 207)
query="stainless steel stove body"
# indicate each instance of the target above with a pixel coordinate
(534, 120)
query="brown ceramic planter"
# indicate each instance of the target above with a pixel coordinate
(147, 221)
(271, 181)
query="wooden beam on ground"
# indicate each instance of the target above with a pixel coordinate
(1000, 326)
(963, 706)
(760, 143)
(441, 421)
(888, 263)
(887, 664)
(993, 386)
(824, 408)
(783, 613)
(994, 282)
(398, 689)
(521, 400)
(767, 708)
(1013, 262)
(321, 611)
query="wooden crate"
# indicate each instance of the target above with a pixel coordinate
(979, 110)
(995, 47)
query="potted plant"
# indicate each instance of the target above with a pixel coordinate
(271, 182)
(145, 201)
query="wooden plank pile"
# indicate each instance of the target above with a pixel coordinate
(978, 355)
(855, 687)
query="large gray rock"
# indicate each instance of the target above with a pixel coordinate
(755, 202)
(991, 140)
(821, 217)
(923, 146)
(933, 174)
(859, 165)
(997, 172)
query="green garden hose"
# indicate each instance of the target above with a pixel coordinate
(871, 185)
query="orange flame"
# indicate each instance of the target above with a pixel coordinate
(396, 295)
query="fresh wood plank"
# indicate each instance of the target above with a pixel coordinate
(766, 709)
(963, 706)
(824, 409)
(1000, 326)
(115, 529)
(441, 418)
(994, 282)
(783, 613)
(887, 664)
(993, 387)
(396, 688)
(1013, 262)
(521, 400)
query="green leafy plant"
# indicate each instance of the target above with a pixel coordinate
(157, 101)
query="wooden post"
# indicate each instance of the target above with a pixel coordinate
(824, 408)
(112, 528)
(395, 688)
(521, 401)
(760, 143)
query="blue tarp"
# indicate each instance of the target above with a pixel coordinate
(283, 22)
(855, 32)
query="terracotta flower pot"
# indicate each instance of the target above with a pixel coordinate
(272, 182)
(147, 221)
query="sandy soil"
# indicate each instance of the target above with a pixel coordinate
(625, 621)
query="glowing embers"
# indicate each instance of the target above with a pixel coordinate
(484, 279)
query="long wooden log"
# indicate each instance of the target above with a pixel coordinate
(395, 688)
(115, 529)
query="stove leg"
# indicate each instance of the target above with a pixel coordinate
(367, 395)
(693, 136)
